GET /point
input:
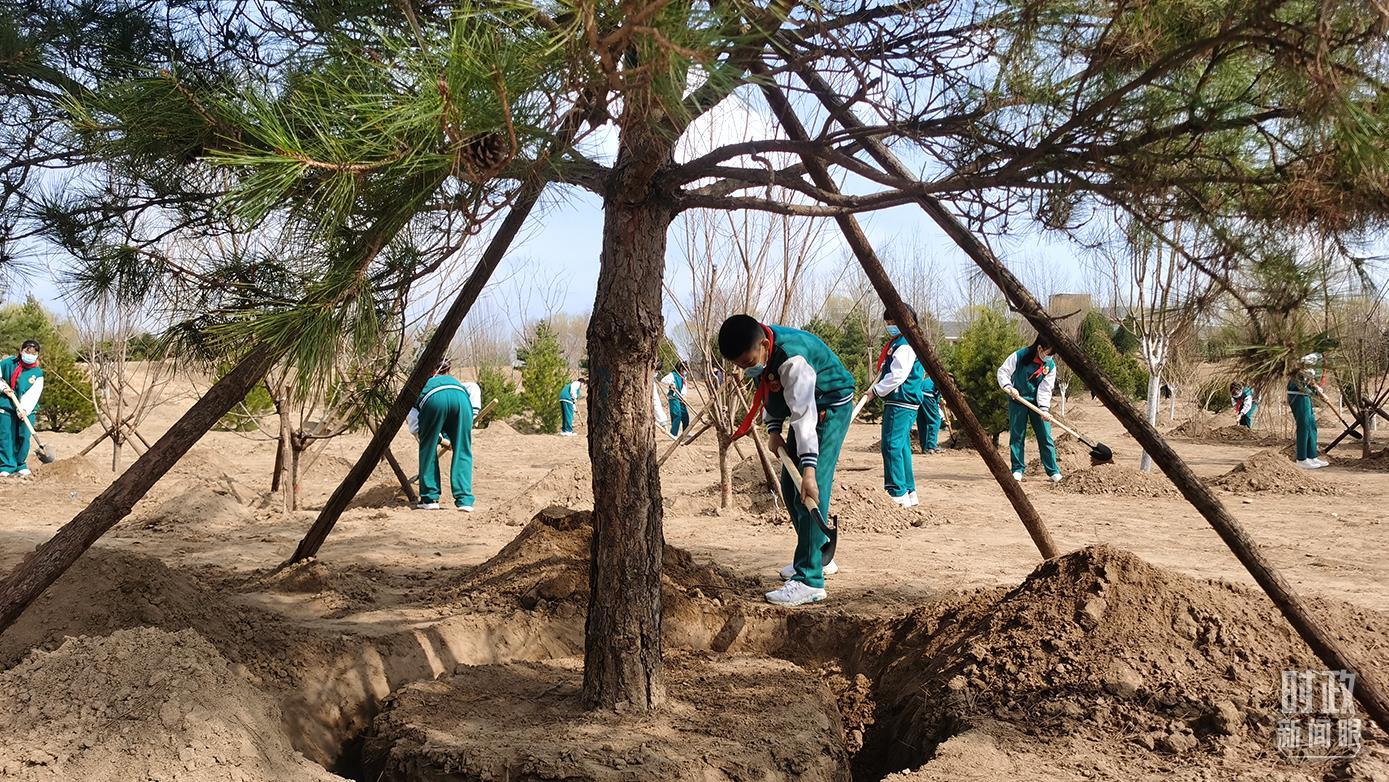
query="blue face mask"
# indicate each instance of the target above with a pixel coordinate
(893, 331)
(754, 372)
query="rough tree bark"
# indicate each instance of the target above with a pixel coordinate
(41, 568)
(622, 638)
(1369, 691)
(925, 351)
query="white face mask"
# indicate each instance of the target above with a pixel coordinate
(29, 358)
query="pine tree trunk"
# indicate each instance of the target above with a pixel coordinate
(622, 639)
(41, 568)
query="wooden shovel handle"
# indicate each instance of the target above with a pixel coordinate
(795, 470)
(1059, 425)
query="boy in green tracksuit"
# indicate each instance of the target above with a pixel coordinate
(674, 383)
(899, 386)
(444, 412)
(1302, 386)
(571, 393)
(1242, 400)
(1030, 374)
(21, 376)
(928, 418)
(806, 393)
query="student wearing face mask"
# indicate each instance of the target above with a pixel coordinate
(899, 384)
(22, 377)
(1029, 374)
(807, 395)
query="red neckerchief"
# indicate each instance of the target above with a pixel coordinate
(759, 395)
(882, 357)
(18, 368)
(1041, 367)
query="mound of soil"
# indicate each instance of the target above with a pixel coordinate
(386, 494)
(1204, 428)
(1072, 456)
(199, 506)
(860, 509)
(547, 566)
(569, 485)
(141, 704)
(1118, 481)
(500, 428)
(1271, 471)
(340, 587)
(1377, 461)
(1097, 642)
(73, 469)
(735, 718)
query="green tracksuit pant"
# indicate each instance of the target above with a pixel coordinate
(448, 413)
(928, 420)
(14, 441)
(815, 538)
(1306, 420)
(566, 415)
(1018, 419)
(896, 446)
(679, 416)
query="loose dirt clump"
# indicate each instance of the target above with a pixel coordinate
(1271, 471)
(1118, 481)
(1094, 643)
(723, 719)
(141, 704)
(1377, 461)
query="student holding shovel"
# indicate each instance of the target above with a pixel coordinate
(1242, 400)
(899, 386)
(804, 393)
(444, 413)
(21, 378)
(674, 384)
(1302, 386)
(1029, 375)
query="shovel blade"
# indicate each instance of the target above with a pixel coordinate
(46, 457)
(1100, 454)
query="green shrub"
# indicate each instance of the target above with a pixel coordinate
(974, 361)
(1097, 342)
(500, 388)
(544, 373)
(246, 415)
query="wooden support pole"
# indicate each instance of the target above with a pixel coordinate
(1369, 690)
(925, 351)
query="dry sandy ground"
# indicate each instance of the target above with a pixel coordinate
(394, 574)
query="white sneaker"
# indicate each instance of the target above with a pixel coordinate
(789, 572)
(24, 472)
(5, 474)
(1320, 463)
(1017, 476)
(1055, 477)
(914, 501)
(427, 506)
(794, 593)
(465, 508)
(904, 500)
(1306, 464)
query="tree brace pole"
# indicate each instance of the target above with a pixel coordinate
(863, 250)
(1368, 688)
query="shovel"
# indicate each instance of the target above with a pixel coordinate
(45, 455)
(831, 530)
(858, 408)
(1099, 452)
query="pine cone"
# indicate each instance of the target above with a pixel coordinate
(486, 151)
